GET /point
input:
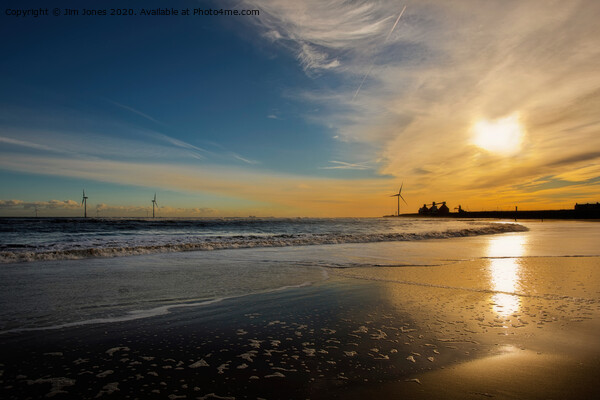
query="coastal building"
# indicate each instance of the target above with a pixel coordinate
(433, 209)
(587, 207)
(443, 208)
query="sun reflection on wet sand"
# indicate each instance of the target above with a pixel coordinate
(505, 272)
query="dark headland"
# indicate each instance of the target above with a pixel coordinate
(580, 211)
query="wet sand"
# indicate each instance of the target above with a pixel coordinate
(450, 331)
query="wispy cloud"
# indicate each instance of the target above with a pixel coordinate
(282, 194)
(31, 145)
(247, 161)
(445, 66)
(195, 151)
(139, 145)
(313, 59)
(319, 32)
(133, 110)
(347, 165)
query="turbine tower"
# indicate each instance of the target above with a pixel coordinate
(154, 203)
(399, 196)
(84, 204)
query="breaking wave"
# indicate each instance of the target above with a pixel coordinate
(207, 243)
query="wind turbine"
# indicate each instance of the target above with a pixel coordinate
(84, 204)
(154, 203)
(399, 196)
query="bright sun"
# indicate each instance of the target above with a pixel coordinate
(501, 135)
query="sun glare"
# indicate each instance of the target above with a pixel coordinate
(501, 135)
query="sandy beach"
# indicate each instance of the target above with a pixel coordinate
(345, 338)
(510, 323)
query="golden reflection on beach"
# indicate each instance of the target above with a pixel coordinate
(505, 272)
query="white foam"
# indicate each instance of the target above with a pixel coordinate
(248, 356)
(112, 351)
(275, 375)
(130, 316)
(152, 312)
(209, 243)
(223, 367)
(199, 364)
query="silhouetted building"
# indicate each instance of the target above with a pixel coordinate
(433, 209)
(443, 209)
(424, 209)
(587, 207)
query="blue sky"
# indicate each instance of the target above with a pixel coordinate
(311, 108)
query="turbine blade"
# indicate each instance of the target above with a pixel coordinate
(403, 200)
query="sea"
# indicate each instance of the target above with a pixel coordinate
(61, 272)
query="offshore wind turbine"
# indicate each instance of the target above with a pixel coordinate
(154, 203)
(84, 204)
(399, 196)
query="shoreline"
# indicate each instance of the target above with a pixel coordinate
(342, 338)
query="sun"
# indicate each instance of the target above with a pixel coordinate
(502, 136)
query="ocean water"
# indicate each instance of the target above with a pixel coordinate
(33, 239)
(64, 272)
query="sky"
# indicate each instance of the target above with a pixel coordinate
(313, 108)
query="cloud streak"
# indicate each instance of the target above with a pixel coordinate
(281, 194)
(446, 66)
(347, 165)
(50, 204)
